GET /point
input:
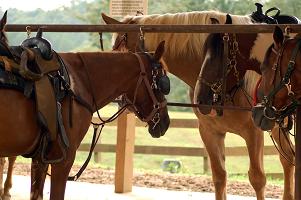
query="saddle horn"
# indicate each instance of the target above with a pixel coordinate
(40, 43)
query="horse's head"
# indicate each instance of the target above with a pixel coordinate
(146, 97)
(281, 81)
(124, 41)
(210, 81)
(227, 57)
(3, 21)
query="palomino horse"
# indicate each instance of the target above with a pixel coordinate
(183, 58)
(96, 80)
(241, 52)
(4, 191)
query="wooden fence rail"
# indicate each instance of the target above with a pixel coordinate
(172, 150)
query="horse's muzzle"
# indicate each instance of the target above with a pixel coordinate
(260, 119)
(157, 130)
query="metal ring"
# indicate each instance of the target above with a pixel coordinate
(28, 31)
(265, 113)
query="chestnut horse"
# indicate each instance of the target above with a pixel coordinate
(280, 83)
(183, 58)
(96, 80)
(245, 52)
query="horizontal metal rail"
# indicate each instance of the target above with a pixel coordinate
(212, 28)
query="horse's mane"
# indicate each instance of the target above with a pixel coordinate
(186, 44)
(250, 80)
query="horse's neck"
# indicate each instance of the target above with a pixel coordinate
(102, 75)
(184, 68)
(260, 45)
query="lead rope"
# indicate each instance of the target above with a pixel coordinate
(277, 148)
(98, 127)
(96, 134)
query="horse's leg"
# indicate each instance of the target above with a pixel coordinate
(215, 146)
(255, 143)
(288, 167)
(8, 182)
(2, 163)
(38, 175)
(59, 176)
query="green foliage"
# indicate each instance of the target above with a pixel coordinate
(288, 7)
(60, 41)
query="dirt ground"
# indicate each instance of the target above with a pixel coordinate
(166, 181)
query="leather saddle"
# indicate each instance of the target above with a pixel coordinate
(277, 18)
(36, 62)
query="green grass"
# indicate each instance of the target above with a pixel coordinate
(174, 137)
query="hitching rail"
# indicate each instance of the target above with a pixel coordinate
(214, 28)
(123, 185)
(191, 105)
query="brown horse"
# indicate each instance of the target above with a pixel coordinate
(5, 191)
(280, 84)
(245, 52)
(183, 58)
(96, 80)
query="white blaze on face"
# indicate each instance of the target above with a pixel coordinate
(261, 44)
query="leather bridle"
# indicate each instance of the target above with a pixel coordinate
(123, 39)
(230, 52)
(270, 111)
(154, 115)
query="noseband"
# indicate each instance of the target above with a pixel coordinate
(270, 111)
(154, 115)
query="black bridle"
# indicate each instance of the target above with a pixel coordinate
(270, 111)
(229, 62)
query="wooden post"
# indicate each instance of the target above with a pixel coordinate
(124, 152)
(97, 157)
(298, 155)
(205, 165)
(97, 154)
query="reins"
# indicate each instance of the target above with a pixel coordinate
(98, 127)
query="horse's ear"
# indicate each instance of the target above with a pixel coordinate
(159, 51)
(228, 19)
(278, 37)
(109, 20)
(3, 20)
(214, 20)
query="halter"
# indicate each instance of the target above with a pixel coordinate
(229, 63)
(270, 111)
(154, 115)
(124, 39)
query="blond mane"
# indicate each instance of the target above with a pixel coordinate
(250, 81)
(182, 44)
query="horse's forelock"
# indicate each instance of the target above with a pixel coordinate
(213, 44)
